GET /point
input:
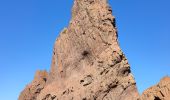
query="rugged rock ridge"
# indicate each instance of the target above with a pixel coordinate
(87, 62)
(34, 88)
(161, 91)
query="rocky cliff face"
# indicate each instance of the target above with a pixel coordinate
(87, 62)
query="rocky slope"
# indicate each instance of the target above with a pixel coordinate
(87, 62)
(161, 91)
(34, 88)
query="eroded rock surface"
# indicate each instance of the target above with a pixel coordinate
(87, 62)
(35, 87)
(161, 91)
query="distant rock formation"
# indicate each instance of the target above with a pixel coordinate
(87, 62)
(34, 88)
(161, 91)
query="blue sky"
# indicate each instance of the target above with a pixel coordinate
(28, 30)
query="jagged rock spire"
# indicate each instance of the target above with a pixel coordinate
(92, 28)
(87, 57)
(87, 62)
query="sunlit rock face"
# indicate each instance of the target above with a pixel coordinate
(34, 88)
(161, 91)
(88, 64)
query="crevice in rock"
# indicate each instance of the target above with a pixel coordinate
(156, 98)
(45, 79)
(110, 87)
(87, 80)
(85, 53)
(50, 97)
(124, 71)
(162, 94)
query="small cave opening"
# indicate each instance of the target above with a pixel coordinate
(84, 33)
(45, 79)
(85, 53)
(157, 98)
(81, 81)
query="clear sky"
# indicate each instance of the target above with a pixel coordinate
(28, 29)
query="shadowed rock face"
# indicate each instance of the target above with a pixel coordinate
(87, 62)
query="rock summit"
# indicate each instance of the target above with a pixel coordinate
(87, 62)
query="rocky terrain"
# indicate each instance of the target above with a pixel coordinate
(88, 64)
(161, 91)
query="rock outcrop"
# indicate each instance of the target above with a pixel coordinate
(34, 88)
(161, 91)
(87, 62)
